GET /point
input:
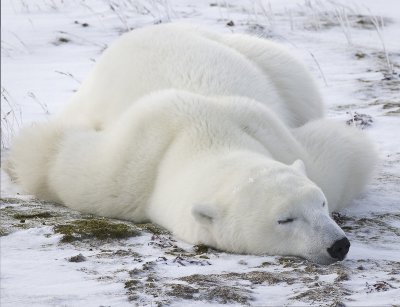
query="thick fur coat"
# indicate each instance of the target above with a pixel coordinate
(219, 138)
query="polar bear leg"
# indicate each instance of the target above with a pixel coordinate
(342, 159)
(291, 78)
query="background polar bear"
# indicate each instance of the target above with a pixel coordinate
(218, 138)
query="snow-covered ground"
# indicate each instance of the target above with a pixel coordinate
(48, 46)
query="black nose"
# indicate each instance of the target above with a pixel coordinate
(339, 249)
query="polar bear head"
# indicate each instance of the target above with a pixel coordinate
(268, 208)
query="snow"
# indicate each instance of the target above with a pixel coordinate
(29, 277)
(40, 72)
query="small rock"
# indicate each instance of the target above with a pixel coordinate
(360, 55)
(230, 24)
(63, 40)
(77, 258)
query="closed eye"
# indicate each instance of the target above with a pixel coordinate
(285, 221)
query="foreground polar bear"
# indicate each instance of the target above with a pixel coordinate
(218, 138)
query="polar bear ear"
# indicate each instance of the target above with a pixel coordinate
(299, 165)
(204, 213)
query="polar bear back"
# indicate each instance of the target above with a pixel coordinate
(182, 57)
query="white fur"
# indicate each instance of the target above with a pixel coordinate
(215, 137)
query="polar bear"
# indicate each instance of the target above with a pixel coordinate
(219, 138)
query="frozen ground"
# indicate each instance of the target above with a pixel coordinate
(47, 47)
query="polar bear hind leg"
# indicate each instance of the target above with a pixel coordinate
(290, 76)
(342, 159)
